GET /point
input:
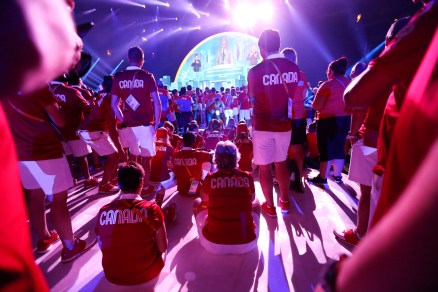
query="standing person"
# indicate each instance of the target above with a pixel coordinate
(333, 122)
(196, 64)
(160, 170)
(224, 54)
(141, 111)
(244, 106)
(271, 83)
(235, 104)
(229, 221)
(299, 122)
(131, 234)
(44, 170)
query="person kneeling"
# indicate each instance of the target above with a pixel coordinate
(228, 215)
(131, 233)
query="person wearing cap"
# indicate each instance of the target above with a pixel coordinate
(244, 145)
(271, 85)
(161, 162)
(190, 166)
(227, 214)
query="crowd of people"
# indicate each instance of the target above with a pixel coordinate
(211, 141)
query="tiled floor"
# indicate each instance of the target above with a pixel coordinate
(292, 249)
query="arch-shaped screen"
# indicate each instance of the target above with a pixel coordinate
(220, 60)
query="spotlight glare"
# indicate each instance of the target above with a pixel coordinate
(265, 11)
(245, 15)
(144, 39)
(359, 17)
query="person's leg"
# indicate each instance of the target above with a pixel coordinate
(197, 206)
(283, 177)
(338, 166)
(146, 163)
(324, 169)
(266, 183)
(363, 210)
(298, 156)
(36, 209)
(83, 166)
(110, 167)
(61, 219)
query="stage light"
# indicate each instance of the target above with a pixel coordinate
(108, 52)
(265, 11)
(227, 4)
(359, 17)
(245, 15)
(144, 39)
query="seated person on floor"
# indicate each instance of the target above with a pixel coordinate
(244, 145)
(227, 214)
(194, 127)
(131, 233)
(214, 136)
(161, 162)
(190, 166)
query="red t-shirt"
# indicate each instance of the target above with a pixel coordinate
(229, 218)
(187, 166)
(16, 255)
(267, 88)
(34, 140)
(243, 100)
(84, 92)
(100, 113)
(246, 153)
(139, 84)
(129, 252)
(73, 106)
(175, 140)
(214, 137)
(159, 170)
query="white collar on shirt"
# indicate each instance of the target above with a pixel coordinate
(130, 197)
(275, 56)
(133, 68)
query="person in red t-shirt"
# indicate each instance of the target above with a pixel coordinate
(44, 170)
(230, 129)
(160, 170)
(190, 166)
(131, 234)
(174, 139)
(141, 111)
(245, 147)
(271, 84)
(227, 214)
(214, 136)
(244, 106)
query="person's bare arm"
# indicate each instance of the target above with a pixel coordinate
(161, 238)
(55, 114)
(157, 108)
(115, 106)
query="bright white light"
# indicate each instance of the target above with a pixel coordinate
(227, 4)
(144, 39)
(265, 11)
(245, 15)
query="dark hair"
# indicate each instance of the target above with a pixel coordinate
(339, 66)
(290, 54)
(226, 155)
(215, 124)
(73, 77)
(183, 91)
(169, 126)
(107, 83)
(189, 87)
(189, 139)
(174, 91)
(135, 54)
(130, 175)
(269, 40)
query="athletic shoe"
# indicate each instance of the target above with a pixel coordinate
(68, 255)
(108, 188)
(146, 192)
(348, 236)
(270, 211)
(284, 205)
(338, 179)
(317, 180)
(44, 245)
(170, 212)
(92, 182)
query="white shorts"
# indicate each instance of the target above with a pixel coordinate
(140, 140)
(122, 138)
(77, 148)
(215, 248)
(52, 176)
(228, 113)
(99, 141)
(270, 146)
(244, 114)
(235, 111)
(363, 159)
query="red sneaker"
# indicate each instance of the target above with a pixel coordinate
(348, 236)
(92, 182)
(44, 245)
(68, 255)
(270, 211)
(108, 188)
(284, 205)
